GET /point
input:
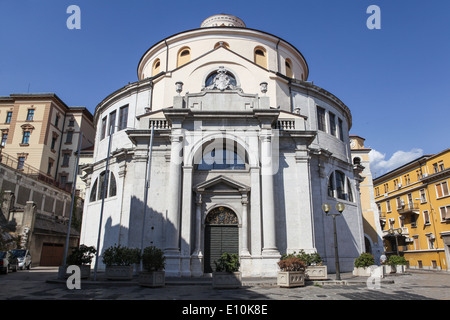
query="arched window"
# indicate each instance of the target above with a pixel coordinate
(93, 196)
(349, 191)
(226, 156)
(100, 183)
(289, 72)
(339, 186)
(260, 57)
(156, 67)
(112, 186)
(184, 56)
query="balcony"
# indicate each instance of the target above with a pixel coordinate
(409, 208)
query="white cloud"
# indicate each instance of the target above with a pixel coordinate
(379, 165)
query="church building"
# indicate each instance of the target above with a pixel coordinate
(222, 144)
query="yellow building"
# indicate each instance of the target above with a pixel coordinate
(414, 205)
(371, 220)
(40, 134)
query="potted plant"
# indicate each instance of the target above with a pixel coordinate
(82, 257)
(315, 270)
(227, 274)
(292, 271)
(364, 265)
(119, 262)
(397, 264)
(153, 262)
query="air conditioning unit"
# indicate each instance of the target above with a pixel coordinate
(399, 185)
(424, 175)
(409, 240)
(432, 236)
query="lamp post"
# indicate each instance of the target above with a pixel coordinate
(340, 208)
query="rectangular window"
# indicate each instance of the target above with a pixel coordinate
(416, 243)
(49, 167)
(30, 115)
(26, 137)
(103, 132)
(413, 221)
(8, 117)
(426, 217)
(399, 203)
(20, 163)
(333, 124)
(442, 189)
(388, 205)
(435, 167)
(52, 146)
(69, 136)
(441, 165)
(423, 197)
(66, 158)
(71, 123)
(112, 122)
(341, 130)
(63, 181)
(321, 119)
(4, 138)
(123, 117)
(445, 213)
(56, 121)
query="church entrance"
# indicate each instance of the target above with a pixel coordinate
(221, 235)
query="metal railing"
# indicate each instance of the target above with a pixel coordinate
(30, 171)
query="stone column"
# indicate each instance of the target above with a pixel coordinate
(304, 217)
(244, 250)
(267, 195)
(197, 256)
(172, 229)
(198, 225)
(186, 222)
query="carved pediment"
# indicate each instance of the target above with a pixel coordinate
(221, 184)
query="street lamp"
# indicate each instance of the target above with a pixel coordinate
(340, 208)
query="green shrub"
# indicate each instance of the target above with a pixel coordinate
(81, 255)
(396, 260)
(228, 263)
(121, 256)
(364, 260)
(309, 259)
(153, 259)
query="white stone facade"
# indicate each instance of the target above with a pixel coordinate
(279, 165)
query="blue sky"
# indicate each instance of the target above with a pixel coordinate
(394, 80)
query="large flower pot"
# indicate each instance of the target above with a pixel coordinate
(152, 279)
(119, 272)
(85, 272)
(290, 279)
(227, 280)
(316, 273)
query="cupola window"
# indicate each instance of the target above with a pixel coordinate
(260, 57)
(184, 56)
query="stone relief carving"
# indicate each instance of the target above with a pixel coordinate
(221, 80)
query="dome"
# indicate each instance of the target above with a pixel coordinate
(222, 20)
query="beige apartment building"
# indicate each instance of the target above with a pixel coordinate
(373, 234)
(40, 136)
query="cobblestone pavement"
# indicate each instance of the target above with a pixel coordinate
(37, 284)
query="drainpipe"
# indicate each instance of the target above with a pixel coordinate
(59, 151)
